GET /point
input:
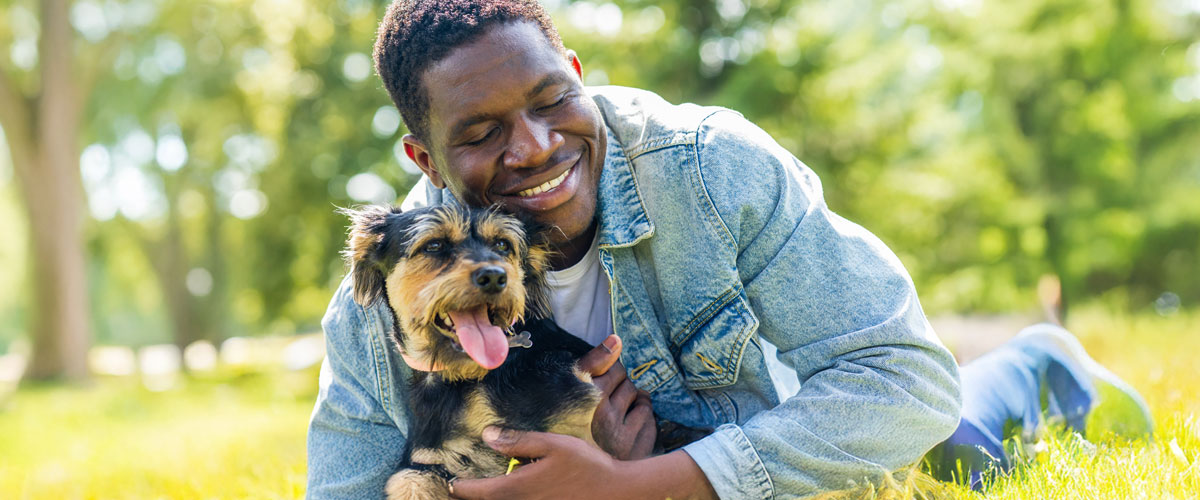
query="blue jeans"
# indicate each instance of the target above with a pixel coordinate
(1010, 392)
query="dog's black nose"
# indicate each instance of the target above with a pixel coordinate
(491, 279)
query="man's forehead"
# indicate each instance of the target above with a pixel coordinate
(505, 64)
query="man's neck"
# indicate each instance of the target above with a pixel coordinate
(571, 252)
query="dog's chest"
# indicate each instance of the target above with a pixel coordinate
(536, 389)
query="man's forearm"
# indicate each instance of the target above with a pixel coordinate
(674, 475)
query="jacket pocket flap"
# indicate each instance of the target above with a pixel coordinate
(711, 355)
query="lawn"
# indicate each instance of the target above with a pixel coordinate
(240, 433)
(225, 435)
(1159, 357)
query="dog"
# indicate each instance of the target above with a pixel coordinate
(467, 293)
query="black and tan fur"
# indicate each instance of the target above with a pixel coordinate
(421, 262)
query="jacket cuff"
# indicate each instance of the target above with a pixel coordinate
(731, 465)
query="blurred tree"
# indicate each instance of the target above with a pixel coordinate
(988, 144)
(243, 124)
(40, 115)
(1082, 116)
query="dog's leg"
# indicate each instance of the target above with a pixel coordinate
(578, 422)
(410, 484)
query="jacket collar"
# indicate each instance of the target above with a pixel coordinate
(622, 215)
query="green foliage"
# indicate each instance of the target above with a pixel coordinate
(987, 143)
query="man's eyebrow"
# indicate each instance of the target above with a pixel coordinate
(466, 123)
(462, 126)
(551, 79)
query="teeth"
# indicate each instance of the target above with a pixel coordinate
(446, 319)
(548, 185)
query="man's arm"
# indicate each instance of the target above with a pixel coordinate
(878, 388)
(353, 443)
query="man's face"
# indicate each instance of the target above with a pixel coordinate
(509, 123)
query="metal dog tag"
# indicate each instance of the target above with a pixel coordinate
(520, 340)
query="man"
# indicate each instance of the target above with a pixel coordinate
(690, 233)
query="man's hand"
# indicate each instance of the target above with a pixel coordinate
(624, 421)
(563, 467)
(568, 467)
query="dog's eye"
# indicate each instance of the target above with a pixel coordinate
(502, 247)
(433, 246)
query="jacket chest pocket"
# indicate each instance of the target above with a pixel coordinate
(709, 350)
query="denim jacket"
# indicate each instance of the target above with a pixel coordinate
(745, 305)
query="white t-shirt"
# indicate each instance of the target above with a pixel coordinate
(579, 298)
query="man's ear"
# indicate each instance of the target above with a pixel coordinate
(365, 250)
(418, 152)
(573, 58)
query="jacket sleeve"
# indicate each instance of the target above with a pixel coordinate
(356, 436)
(878, 389)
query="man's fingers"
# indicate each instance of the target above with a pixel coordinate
(641, 416)
(610, 381)
(640, 411)
(482, 489)
(643, 446)
(521, 444)
(623, 396)
(601, 358)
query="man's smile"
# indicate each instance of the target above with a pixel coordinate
(547, 191)
(548, 185)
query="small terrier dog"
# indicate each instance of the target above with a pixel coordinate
(460, 283)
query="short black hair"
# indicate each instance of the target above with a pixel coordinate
(415, 34)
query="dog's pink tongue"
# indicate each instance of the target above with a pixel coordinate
(484, 342)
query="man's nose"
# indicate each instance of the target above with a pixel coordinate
(531, 143)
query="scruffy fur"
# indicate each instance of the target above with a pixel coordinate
(421, 263)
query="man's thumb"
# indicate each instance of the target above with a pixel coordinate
(602, 357)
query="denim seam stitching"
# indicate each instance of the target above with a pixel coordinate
(761, 467)
(677, 139)
(380, 381)
(657, 368)
(641, 204)
(706, 314)
(737, 350)
(702, 188)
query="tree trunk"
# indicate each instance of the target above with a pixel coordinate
(46, 160)
(1056, 254)
(187, 323)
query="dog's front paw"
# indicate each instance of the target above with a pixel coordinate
(410, 484)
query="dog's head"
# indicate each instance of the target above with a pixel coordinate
(456, 280)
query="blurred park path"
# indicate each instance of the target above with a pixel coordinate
(160, 366)
(969, 336)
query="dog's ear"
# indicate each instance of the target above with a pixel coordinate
(365, 251)
(536, 262)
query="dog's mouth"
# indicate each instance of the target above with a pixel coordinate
(479, 332)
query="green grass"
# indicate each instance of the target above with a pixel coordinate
(241, 434)
(219, 436)
(1156, 355)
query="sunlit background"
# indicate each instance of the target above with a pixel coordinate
(201, 148)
